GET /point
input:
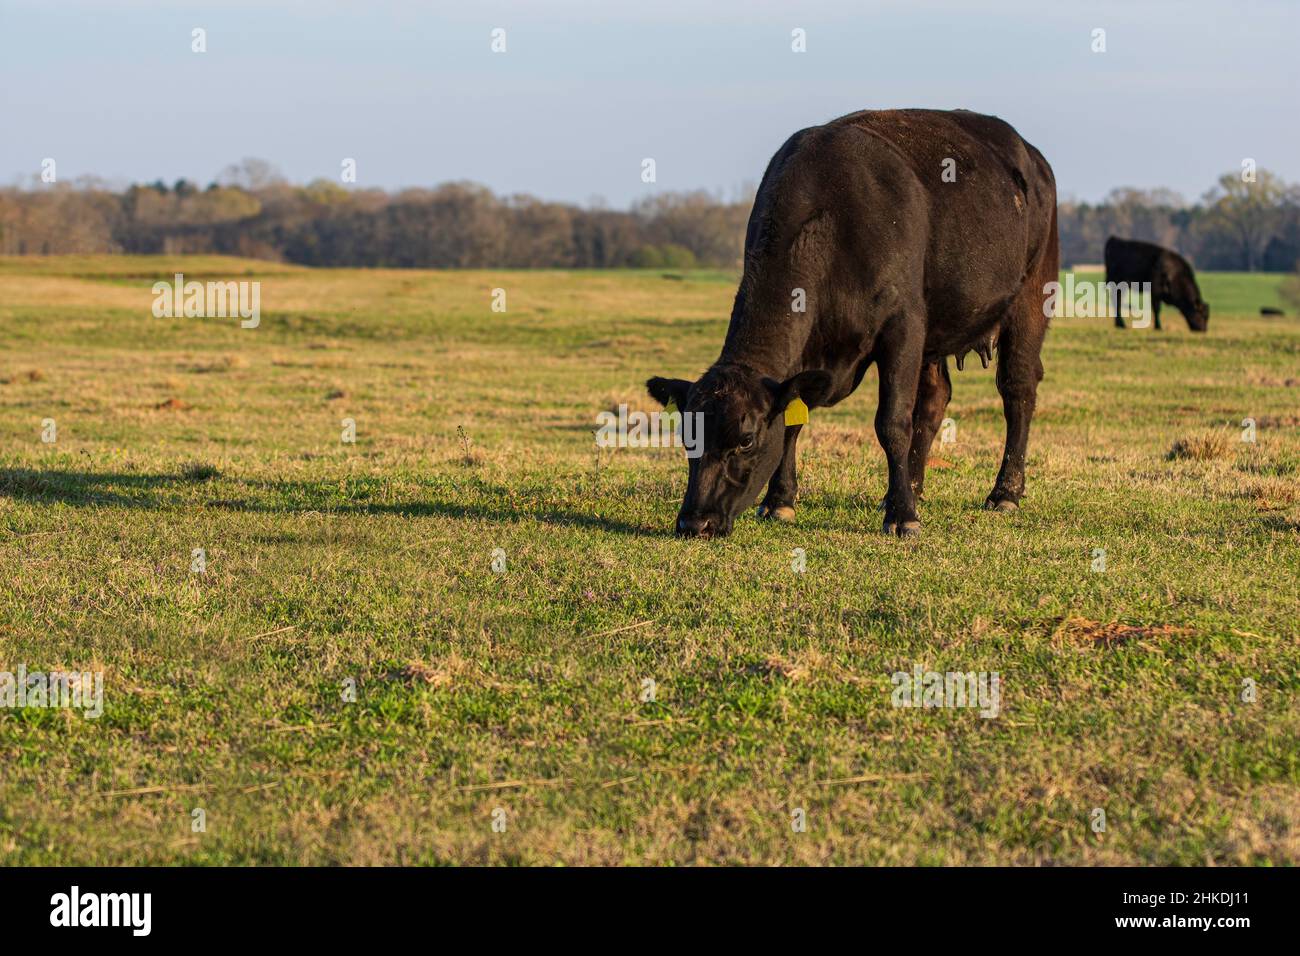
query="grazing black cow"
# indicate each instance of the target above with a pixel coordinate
(1170, 275)
(908, 236)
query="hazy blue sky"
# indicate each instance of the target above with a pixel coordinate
(411, 90)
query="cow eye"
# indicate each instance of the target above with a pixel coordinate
(746, 443)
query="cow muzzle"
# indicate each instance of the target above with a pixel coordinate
(702, 526)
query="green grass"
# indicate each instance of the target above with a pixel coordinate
(522, 691)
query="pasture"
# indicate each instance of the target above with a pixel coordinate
(504, 717)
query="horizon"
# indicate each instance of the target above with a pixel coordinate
(32, 183)
(583, 94)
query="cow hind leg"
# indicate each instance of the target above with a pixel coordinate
(1020, 369)
(778, 503)
(932, 396)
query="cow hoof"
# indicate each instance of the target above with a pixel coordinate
(1006, 504)
(782, 513)
(905, 529)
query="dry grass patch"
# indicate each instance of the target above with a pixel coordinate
(1272, 494)
(1209, 446)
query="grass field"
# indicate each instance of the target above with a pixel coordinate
(499, 717)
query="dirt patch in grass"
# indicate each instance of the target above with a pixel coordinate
(173, 405)
(450, 671)
(420, 674)
(805, 666)
(1273, 381)
(774, 666)
(332, 363)
(222, 363)
(1080, 630)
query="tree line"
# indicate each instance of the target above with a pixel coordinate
(251, 211)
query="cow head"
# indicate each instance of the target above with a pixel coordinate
(743, 438)
(1185, 294)
(1187, 297)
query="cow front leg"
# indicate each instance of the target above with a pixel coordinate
(932, 396)
(1020, 369)
(778, 503)
(900, 372)
(1155, 312)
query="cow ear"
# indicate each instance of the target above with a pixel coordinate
(664, 390)
(814, 387)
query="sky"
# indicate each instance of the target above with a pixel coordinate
(585, 90)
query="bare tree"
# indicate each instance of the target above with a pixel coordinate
(250, 173)
(1249, 212)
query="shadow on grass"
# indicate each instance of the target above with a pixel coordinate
(82, 489)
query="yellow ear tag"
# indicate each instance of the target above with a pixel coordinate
(796, 413)
(670, 408)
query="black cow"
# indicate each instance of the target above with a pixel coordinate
(1171, 277)
(912, 235)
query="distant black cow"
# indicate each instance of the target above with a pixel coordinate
(1171, 277)
(907, 236)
